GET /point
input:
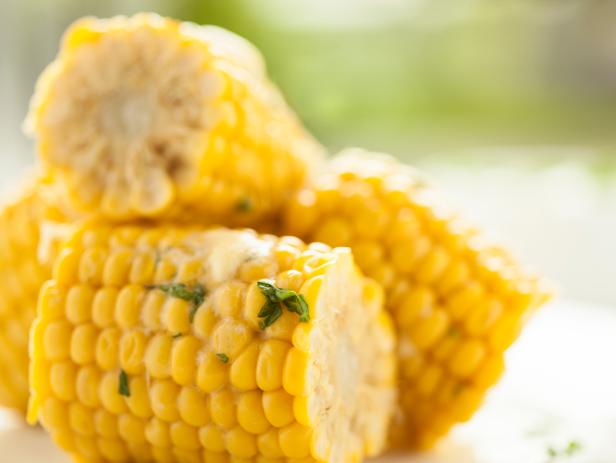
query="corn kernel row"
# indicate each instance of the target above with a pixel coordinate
(457, 301)
(21, 276)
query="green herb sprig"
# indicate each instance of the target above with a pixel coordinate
(224, 358)
(194, 294)
(275, 299)
(123, 388)
(244, 205)
(572, 448)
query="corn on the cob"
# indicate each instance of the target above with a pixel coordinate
(457, 301)
(149, 117)
(21, 276)
(163, 344)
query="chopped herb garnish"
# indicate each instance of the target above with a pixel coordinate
(244, 205)
(224, 358)
(275, 299)
(453, 331)
(178, 335)
(195, 295)
(457, 389)
(571, 449)
(123, 388)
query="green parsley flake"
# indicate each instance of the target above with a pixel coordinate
(224, 358)
(572, 448)
(123, 388)
(275, 299)
(244, 205)
(195, 295)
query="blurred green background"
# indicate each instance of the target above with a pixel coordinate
(509, 104)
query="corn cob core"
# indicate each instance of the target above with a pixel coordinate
(457, 301)
(148, 347)
(21, 276)
(150, 117)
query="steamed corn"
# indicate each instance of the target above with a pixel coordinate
(166, 344)
(21, 276)
(150, 117)
(457, 301)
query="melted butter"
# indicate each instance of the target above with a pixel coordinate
(221, 252)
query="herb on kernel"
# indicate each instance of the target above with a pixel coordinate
(224, 358)
(178, 335)
(275, 299)
(453, 331)
(195, 295)
(457, 390)
(244, 205)
(123, 388)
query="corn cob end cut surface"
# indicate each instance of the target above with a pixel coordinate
(457, 301)
(148, 117)
(157, 344)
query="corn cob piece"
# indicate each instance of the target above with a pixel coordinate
(150, 117)
(21, 276)
(164, 344)
(457, 301)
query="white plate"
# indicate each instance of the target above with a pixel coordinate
(560, 387)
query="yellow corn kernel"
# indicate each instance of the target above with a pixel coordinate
(131, 429)
(222, 408)
(250, 413)
(128, 306)
(229, 385)
(157, 433)
(240, 443)
(108, 391)
(270, 364)
(86, 386)
(269, 445)
(163, 394)
(78, 302)
(294, 374)
(184, 436)
(139, 400)
(467, 358)
(295, 441)
(243, 373)
(132, 350)
(158, 356)
(278, 407)
(427, 331)
(107, 348)
(183, 359)
(103, 306)
(193, 407)
(231, 337)
(212, 438)
(212, 373)
(176, 316)
(57, 340)
(63, 377)
(457, 302)
(106, 424)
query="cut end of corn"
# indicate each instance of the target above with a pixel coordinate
(457, 300)
(148, 117)
(21, 276)
(172, 344)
